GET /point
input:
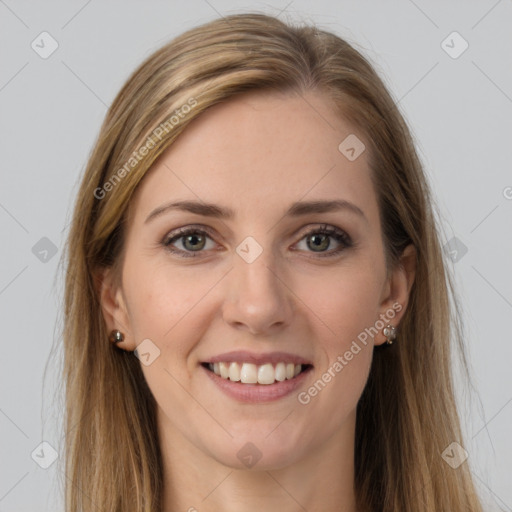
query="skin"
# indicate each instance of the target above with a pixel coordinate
(256, 154)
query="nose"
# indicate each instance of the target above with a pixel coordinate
(258, 298)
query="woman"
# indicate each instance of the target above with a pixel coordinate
(257, 312)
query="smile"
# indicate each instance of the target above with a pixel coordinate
(250, 373)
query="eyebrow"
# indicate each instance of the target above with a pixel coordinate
(296, 209)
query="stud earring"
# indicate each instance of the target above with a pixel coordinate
(116, 336)
(390, 332)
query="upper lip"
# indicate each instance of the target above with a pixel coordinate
(243, 356)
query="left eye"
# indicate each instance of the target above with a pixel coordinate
(194, 240)
(320, 238)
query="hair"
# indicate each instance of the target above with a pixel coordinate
(407, 413)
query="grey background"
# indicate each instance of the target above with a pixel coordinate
(459, 110)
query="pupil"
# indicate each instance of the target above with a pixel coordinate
(193, 239)
(319, 243)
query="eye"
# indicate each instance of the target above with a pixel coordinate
(187, 241)
(190, 239)
(318, 240)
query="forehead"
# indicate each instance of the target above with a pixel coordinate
(260, 149)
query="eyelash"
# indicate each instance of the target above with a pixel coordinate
(340, 236)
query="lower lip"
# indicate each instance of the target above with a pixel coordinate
(257, 392)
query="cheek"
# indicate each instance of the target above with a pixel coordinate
(346, 309)
(157, 299)
(169, 308)
(346, 303)
(165, 308)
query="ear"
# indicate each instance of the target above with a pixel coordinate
(113, 305)
(396, 291)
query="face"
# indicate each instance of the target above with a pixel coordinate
(273, 263)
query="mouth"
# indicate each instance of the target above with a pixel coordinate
(264, 374)
(249, 377)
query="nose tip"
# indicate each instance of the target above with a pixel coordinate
(258, 300)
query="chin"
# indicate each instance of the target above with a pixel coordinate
(259, 452)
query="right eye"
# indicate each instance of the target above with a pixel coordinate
(191, 240)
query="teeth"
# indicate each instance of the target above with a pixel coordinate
(233, 372)
(249, 373)
(280, 372)
(224, 370)
(266, 374)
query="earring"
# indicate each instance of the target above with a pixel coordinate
(116, 336)
(390, 332)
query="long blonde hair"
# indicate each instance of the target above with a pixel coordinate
(407, 414)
